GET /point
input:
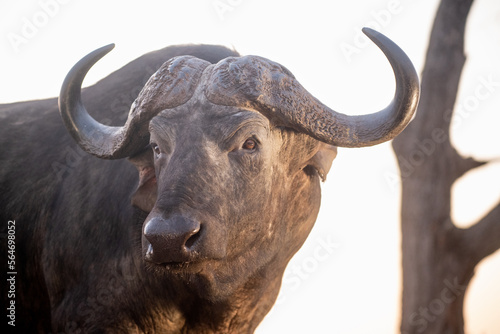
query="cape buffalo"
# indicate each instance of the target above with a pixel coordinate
(193, 231)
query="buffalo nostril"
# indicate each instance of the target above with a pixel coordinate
(193, 238)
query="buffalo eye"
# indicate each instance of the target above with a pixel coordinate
(156, 149)
(250, 144)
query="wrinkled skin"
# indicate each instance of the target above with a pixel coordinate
(253, 187)
(242, 179)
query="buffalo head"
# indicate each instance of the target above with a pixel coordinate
(230, 157)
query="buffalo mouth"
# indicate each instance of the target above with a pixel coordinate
(176, 262)
(184, 267)
(177, 267)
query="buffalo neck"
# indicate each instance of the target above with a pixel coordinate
(183, 311)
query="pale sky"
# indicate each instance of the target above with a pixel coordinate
(346, 278)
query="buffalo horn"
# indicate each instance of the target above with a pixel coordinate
(172, 85)
(257, 83)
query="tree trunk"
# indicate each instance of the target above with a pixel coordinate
(438, 258)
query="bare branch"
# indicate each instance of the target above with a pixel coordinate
(465, 165)
(483, 238)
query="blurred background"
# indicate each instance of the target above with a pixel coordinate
(347, 277)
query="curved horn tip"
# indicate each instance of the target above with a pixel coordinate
(381, 40)
(80, 69)
(100, 52)
(370, 32)
(105, 48)
(93, 57)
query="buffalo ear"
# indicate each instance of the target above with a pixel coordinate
(323, 159)
(144, 197)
